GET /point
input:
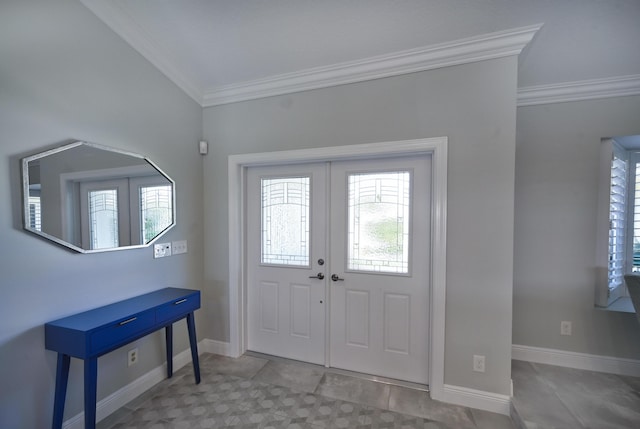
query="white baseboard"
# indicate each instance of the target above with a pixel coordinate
(216, 347)
(479, 399)
(122, 396)
(576, 360)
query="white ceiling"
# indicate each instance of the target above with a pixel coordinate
(206, 45)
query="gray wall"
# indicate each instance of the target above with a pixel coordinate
(555, 227)
(475, 106)
(64, 74)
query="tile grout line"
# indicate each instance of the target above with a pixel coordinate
(542, 378)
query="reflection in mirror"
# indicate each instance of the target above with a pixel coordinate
(92, 198)
(618, 219)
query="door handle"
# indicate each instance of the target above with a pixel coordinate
(335, 278)
(319, 276)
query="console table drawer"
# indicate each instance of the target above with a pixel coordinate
(119, 331)
(178, 308)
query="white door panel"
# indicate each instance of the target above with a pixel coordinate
(286, 309)
(268, 302)
(300, 310)
(397, 323)
(380, 308)
(356, 318)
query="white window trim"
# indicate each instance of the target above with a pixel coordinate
(436, 147)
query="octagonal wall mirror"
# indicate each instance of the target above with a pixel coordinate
(92, 198)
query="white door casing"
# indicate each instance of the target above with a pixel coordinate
(436, 147)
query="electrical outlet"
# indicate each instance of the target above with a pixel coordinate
(161, 250)
(478, 363)
(565, 327)
(132, 357)
(178, 247)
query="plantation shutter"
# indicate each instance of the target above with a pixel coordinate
(617, 220)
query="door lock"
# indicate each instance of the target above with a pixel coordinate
(335, 278)
(318, 276)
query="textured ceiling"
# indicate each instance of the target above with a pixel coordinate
(216, 43)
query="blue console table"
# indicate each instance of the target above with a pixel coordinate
(93, 333)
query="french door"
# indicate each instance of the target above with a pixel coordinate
(338, 264)
(285, 292)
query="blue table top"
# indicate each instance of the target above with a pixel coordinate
(100, 316)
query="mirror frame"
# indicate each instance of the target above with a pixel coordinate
(73, 144)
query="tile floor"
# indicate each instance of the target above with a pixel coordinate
(255, 392)
(259, 392)
(547, 396)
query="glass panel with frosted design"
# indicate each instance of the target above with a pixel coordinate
(378, 228)
(156, 210)
(103, 218)
(285, 221)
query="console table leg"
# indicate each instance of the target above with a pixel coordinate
(62, 376)
(90, 390)
(193, 341)
(168, 333)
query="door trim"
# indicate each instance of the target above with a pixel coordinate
(436, 147)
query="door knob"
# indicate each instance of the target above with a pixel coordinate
(335, 278)
(319, 276)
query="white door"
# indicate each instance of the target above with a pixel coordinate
(104, 214)
(286, 225)
(380, 265)
(379, 241)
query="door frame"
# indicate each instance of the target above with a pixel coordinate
(436, 147)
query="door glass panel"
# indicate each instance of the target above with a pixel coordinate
(285, 221)
(103, 218)
(156, 210)
(378, 223)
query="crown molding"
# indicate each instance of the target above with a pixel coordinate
(484, 47)
(469, 50)
(580, 90)
(127, 28)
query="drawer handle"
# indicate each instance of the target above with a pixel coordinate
(180, 302)
(124, 322)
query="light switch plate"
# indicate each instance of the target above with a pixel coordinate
(179, 247)
(161, 250)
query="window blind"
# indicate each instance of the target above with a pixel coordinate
(617, 220)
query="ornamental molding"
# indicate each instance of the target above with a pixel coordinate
(479, 48)
(580, 90)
